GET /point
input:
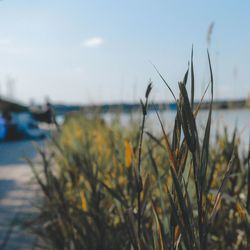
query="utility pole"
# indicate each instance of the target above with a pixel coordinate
(10, 87)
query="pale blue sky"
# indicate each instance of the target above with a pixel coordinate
(99, 51)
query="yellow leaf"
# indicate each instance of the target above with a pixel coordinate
(210, 197)
(239, 209)
(108, 182)
(128, 154)
(169, 180)
(114, 173)
(83, 201)
(79, 133)
(122, 181)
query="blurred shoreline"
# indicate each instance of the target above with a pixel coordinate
(159, 106)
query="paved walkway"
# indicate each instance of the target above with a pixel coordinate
(16, 195)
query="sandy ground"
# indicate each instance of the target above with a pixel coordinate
(17, 193)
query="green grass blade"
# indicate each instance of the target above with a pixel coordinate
(192, 80)
(158, 72)
(170, 153)
(185, 212)
(188, 121)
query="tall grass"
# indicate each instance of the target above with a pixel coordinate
(110, 187)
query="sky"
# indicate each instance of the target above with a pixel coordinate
(92, 52)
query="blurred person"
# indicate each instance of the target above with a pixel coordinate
(45, 114)
(48, 112)
(12, 132)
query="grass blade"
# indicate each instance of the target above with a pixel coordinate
(192, 80)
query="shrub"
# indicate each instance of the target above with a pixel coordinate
(110, 187)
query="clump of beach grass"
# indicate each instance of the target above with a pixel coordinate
(107, 187)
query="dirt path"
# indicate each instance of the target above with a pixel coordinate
(16, 195)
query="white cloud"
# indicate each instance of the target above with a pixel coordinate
(92, 42)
